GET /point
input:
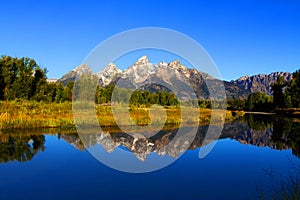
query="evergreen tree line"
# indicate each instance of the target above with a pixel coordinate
(136, 98)
(257, 101)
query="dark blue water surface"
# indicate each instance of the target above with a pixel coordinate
(248, 160)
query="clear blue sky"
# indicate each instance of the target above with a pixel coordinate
(242, 37)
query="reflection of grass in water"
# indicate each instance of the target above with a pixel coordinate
(282, 189)
(30, 114)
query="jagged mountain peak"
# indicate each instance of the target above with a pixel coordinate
(142, 60)
(75, 73)
(111, 67)
(176, 65)
(108, 74)
(81, 69)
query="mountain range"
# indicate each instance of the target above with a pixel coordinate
(162, 76)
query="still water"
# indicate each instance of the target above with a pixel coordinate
(255, 155)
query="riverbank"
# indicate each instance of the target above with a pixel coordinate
(31, 114)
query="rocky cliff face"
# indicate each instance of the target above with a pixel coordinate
(160, 77)
(261, 82)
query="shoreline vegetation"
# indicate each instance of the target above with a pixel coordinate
(32, 114)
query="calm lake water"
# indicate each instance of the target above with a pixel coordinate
(254, 155)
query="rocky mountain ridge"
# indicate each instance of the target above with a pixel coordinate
(261, 82)
(156, 77)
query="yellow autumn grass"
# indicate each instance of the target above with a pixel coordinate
(30, 114)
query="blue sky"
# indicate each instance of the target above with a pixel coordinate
(242, 37)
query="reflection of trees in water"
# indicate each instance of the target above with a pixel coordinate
(20, 148)
(259, 122)
(285, 131)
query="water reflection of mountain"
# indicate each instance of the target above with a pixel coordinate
(262, 131)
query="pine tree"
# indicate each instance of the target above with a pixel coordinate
(278, 96)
